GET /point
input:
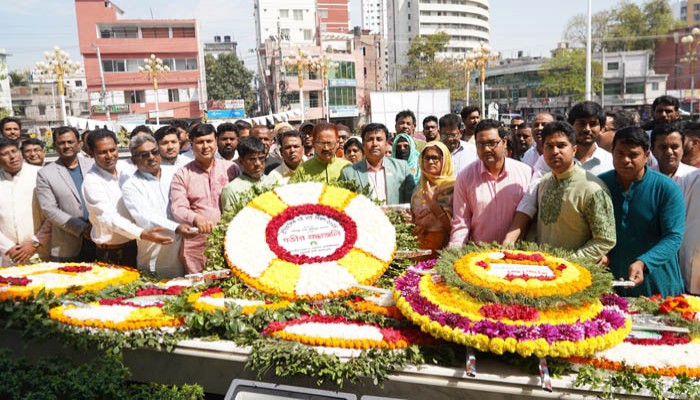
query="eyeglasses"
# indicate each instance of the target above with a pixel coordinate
(144, 155)
(489, 145)
(432, 158)
(323, 145)
(449, 135)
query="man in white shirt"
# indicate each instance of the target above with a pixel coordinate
(169, 144)
(113, 231)
(292, 151)
(147, 197)
(667, 146)
(689, 255)
(24, 233)
(533, 154)
(463, 153)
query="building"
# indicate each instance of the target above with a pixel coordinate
(668, 59)
(374, 17)
(467, 23)
(334, 15)
(122, 45)
(219, 47)
(346, 82)
(39, 106)
(513, 83)
(5, 93)
(292, 21)
(630, 80)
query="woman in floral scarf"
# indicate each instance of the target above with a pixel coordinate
(431, 203)
(404, 148)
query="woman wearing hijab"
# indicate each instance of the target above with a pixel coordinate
(352, 149)
(404, 148)
(431, 203)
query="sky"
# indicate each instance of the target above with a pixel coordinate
(30, 27)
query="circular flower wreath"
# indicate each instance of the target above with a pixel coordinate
(213, 299)
(445, 313)
(529, 278)
(145, 310)
(339, 332)
(25, 281)
(670, 355)
(309, 241)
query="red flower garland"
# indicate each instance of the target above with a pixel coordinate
(292, 212)
(126, 301)
(514, 312)
(667, 338)
(75, 268)
(527, 277)
(534, 257)
(15, 281)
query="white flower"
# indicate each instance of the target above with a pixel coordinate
(246, 243)
(336, 331)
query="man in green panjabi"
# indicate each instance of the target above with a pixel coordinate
(324, 166)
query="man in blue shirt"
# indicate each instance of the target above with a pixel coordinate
(649, 218)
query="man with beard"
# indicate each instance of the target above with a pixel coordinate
(307, 136)
(431, 131)
(463, 153)
(471, 115)
(523, 140)
(59, 191)
(252, 161)
(667, 147)
(533, 154)
(324, 166)
(227, 140)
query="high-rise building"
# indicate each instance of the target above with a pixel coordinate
(122, 45)
(292, 21)
(334, 15)
(5, 96)
(466, 21)
(219, 46)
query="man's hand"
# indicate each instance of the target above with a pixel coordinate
(636, 270)
(604, 261)
(155, 235)
(186, 231)
(22, 252)
(204, 225)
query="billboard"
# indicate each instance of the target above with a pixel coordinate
(225, 114)
(385, 105)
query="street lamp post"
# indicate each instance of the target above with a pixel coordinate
(691, 57)
(324, 64)
(58, 65)
(469, 66)
(300, 60)
(154, 67)
(482, 57)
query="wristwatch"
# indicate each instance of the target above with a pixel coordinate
(35, 243)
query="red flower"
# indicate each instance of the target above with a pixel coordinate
(527, 277)
(534, 257)
(561, 267)
(483, 264)
(211, 291)
(514, 312)
(75, 268)
(15, 281)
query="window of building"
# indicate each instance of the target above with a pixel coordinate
(613, 66)
(113, 65)
(634, 88)
(185, 64)
(284, 13)
(323, 13)
(655, 86)
(119, 32)
(308, 34)
(133, 65)
(161, 32)
(342, 96)
(78, 83)
(42, 109)
(298, 15)
(183, 32)
(134, 96)
(344, 70)
(696, 17)
(173, 95)
(696, 7)
(409, 28)
(285, 33)
(613, 88)
(313, 99)
(409, 17)
(293, 98)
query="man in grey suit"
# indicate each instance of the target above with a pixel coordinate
(58, 189)
(389, 178)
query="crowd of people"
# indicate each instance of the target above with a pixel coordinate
(600, 184)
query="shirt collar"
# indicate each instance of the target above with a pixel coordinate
(485, 172)
(370, 168)
(568, 174)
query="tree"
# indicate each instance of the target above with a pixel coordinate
(565, 74)
(18, 78)
(427, 71)
(624, 27)
(229, 79)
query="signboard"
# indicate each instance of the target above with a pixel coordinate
(161, 114)
(385, 105)
(113, 108)
(225, 114)
(137, 118)
(237, 104)
(342, 82)
(344, 111)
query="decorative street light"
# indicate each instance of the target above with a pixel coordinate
(58, 65)
(324, 64)
(154, 67)
(691, 57)
(300, 60)
(469, 66)
(482, 57)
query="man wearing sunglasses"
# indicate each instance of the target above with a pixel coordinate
(147, 198)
